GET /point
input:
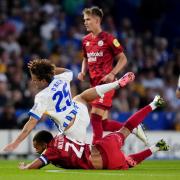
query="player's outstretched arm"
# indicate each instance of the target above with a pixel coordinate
(23, 134)
(36, 164)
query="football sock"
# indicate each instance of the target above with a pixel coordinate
(153, 106)
(137, 118)
(139, 157)
(111, 125)
(154, 148)
(102, 89)
(96, 122)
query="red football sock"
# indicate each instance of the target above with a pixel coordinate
(96, 122)
(111, 125)
(137, 118)
(139, 157)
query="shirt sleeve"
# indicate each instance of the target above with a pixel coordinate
(66, 76)
(44, 160)
(114, 44)
(50, 154)
(39, 108)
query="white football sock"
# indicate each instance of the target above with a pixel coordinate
(154, 148)
(102, 89)
(153, 106)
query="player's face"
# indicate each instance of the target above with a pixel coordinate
(91, 22)
(39, 147)
(40, 84)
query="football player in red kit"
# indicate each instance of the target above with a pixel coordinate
(100, 49)
(64, 152)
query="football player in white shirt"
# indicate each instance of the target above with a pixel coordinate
(54, 99)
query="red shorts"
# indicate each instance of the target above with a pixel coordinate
(105, 102)
(110, 149)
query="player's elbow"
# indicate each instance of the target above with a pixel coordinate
(80, 98)
(122, 59)
(125, 60)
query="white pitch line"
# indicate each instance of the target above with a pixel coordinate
(109, 174)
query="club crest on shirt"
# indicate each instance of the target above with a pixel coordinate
(116, 43)
(87, 43)
(100, 43)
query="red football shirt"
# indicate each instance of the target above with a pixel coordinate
(100, 52)
(62, 152)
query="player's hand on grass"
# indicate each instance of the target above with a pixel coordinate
(81, 76)
(22, 165)
(10, 147)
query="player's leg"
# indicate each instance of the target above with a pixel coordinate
(96, 123)
(97, 113)
(111, 125)
(99, 124)
(114, 125)
(140, 134)
(127, 78)
(100, 106)
(139, 116)
(110, 150)
(99, 91)
(137, 158)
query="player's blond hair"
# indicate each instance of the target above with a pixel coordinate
(95, 11)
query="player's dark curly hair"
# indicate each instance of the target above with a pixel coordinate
(43, 137)
(96, 11)
(42, 69)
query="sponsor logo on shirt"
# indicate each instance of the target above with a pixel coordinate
(100, 43)
(93, 55)
(92, 59)
(116, 43)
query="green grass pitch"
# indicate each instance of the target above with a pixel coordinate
(150, 169)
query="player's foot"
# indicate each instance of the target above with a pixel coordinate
(139, 132)
(159, 101)
(162, 145)
(128, 77)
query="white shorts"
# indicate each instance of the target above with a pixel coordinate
(77, 132)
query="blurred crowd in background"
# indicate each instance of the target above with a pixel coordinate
(148, 30)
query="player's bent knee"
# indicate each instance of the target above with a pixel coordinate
(78, 98)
